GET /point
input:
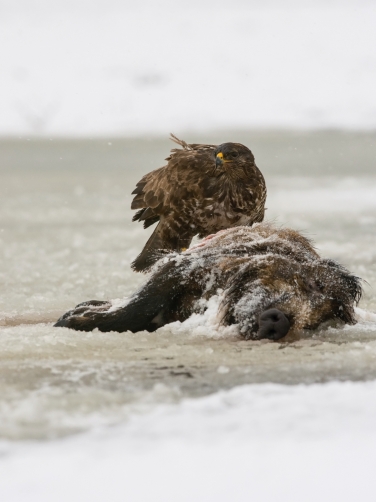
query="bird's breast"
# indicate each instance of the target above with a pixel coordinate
(215, 216)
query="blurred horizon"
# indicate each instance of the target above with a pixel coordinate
(131, 69)
(285, 154)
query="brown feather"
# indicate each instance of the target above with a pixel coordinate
(192, 195)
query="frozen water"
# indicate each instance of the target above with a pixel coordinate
(66, 237)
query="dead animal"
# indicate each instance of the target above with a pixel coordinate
(270, 281)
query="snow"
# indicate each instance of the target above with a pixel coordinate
(131, 68)
(263, 442)
(363, 315)
(206, 324)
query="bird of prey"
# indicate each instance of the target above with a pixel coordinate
(202, 189)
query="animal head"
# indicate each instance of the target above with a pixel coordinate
(273, 294)
(231, 155)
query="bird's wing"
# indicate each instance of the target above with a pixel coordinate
(253, 194)
(170, 187)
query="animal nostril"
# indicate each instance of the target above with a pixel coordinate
(273, 324)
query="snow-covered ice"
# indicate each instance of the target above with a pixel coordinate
(190, 411)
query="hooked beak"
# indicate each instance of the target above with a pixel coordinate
(219, 159)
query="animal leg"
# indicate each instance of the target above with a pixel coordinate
(143, 312)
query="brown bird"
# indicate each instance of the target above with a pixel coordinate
(201, 190)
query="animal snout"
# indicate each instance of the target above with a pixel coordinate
(273, 324)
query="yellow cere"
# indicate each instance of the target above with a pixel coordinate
(220, 155)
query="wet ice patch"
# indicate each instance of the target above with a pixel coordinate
(56, 381)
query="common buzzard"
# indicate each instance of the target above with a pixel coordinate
(201, 190)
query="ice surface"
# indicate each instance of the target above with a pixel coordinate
(125, 67)
(66, 237)
(285, 431)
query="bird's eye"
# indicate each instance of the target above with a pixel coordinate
(233, 155)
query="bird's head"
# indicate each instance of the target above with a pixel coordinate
(230, 155)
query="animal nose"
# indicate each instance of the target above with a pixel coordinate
(273, 324)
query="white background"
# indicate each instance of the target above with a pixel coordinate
(129, 67)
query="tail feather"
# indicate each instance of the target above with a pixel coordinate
(153, 250)
(159, 244)
(147, 216)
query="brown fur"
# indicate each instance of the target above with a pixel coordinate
(258, 269)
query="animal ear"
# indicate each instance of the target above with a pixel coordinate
(353, 283)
